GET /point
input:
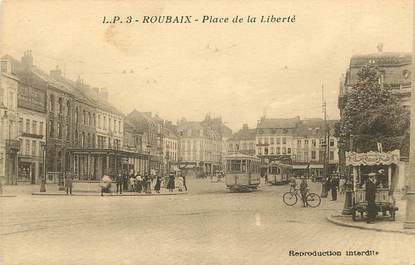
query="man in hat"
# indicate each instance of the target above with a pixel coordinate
(371, 198)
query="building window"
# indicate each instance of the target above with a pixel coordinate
(115, 126)
(27, 150)
(283, 151)
(76, 115)
(305, 143)
(119, 126)
(89, 119)
(278, 140)
(272, 150)
(68, 108)
(266, 140)
(109, 124)
(41, 128)
(34, 127)
(27, 129)
(34, 148)
(313, 155)
(331, 142)
(99, 121)
(299, 143)
(284, 140)
(314, 142)
(60, 130)
(60, 105)
(331, 155)
(272, 140)
(266, 151)
(105, 123)
(52, 103)
(51, 128)
(289, 151)
(20, 126)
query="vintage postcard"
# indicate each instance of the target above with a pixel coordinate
(207, 132)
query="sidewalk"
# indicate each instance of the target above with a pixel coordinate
(382, 224)
(79, 189)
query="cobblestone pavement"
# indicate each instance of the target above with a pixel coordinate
(209, 225)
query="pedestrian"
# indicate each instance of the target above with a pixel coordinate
(125, 181)
(68, 184)
(179, 183)
(158, 184)
(334, 183)
(371, 198)
(139, 181)
(303, 191)
(148, 184)
(184, 181)
(119, 180)
(170, 183)
(132, 182)
(106, 183)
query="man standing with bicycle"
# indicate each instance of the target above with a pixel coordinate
(303, 190)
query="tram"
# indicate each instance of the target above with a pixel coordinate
(279, 173)
(242, 172)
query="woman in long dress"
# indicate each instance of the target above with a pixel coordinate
(158, 184)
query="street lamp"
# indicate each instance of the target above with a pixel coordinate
(43, 180)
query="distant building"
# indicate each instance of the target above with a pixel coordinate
(200, 146)
(242, 141)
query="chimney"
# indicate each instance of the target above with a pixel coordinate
(379, 47)
(6, 67)
(56, 73)
(103, 93)
(27, 60)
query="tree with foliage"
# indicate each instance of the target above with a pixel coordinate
(372, 114)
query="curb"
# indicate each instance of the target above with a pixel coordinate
(332, 219)
(7, 196)
(105, 194)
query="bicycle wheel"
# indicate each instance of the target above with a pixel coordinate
(313, 200)
(289, 198)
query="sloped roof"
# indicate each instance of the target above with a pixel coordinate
(243, 134)
(381, 59)
(278, 123)
(312, 127)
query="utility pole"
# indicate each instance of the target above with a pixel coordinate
(324, 145)
(410, 194)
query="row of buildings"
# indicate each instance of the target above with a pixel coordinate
(302, 143)
(51, 125)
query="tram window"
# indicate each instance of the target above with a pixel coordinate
(236, 165)
(243, 165)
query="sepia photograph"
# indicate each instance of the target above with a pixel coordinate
(207, 132)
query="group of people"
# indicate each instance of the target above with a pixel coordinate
(135, 182)
(334, 184)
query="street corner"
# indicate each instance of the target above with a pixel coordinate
(380, 226)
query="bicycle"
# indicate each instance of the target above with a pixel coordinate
(291, 197)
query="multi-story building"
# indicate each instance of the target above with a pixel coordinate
(150, 127)
(310, 152)
(170, 147)
(200, 147)
(9, 143)
(243, 141)
(275, 140)
(31, 103)
(395, 72)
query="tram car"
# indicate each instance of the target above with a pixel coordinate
(242, 172)
(279, 173)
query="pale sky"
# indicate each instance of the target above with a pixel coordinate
(238, 71)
